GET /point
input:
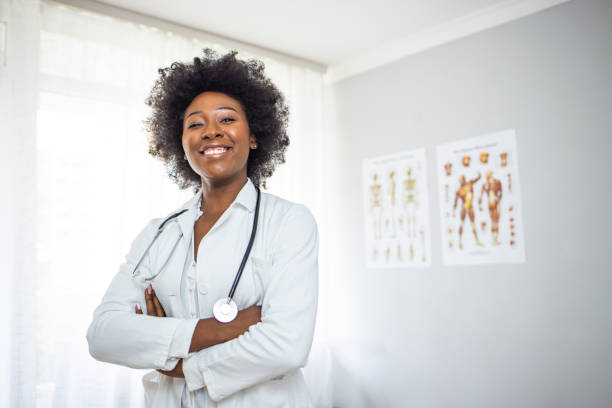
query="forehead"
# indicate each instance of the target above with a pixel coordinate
(212, 101)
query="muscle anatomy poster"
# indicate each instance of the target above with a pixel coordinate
(480, 200)
(396, 210)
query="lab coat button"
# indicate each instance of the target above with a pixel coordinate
(203, 288)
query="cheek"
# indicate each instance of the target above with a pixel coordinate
(185, 144)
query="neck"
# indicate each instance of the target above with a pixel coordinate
(217, 196)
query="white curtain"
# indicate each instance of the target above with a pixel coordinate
(80, 185)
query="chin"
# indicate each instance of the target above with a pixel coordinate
(223, 177)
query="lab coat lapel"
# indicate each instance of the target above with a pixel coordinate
(188, 219)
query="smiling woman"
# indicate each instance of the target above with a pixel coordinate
(250, 92)
(219, 125)
(216, 137)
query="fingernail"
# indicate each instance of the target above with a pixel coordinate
(138, 306)
(149, 289)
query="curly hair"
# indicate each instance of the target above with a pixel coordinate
(245, 81)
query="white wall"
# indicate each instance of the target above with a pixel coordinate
(531, 335)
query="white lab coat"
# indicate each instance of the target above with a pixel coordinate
(261, 368)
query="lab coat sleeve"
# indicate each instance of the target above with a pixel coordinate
(282, 340)
(118, 335)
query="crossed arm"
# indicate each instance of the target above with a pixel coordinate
(258, 345)
(208, 332)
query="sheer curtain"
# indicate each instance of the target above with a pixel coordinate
(82, 186)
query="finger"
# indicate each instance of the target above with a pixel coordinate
(168, 373)
(149, 301)
(138, 309)
(158, 307)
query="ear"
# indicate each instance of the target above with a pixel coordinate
(252, 141)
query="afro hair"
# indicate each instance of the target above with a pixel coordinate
(245, 81)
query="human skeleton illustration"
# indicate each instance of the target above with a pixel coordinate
(396, 208)
(392, 188)
(410, 203)
(376, 206)
(423, 251)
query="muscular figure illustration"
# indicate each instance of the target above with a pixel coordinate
(504, 159)
(392, 194)
(493, 189)
(410, 203)
(465, 193)
(376, 206)
(448, 168)
(484, 157)
(509, 182)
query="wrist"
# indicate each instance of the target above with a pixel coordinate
(225, 331)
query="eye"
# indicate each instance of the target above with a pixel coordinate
(227, 119)
(193, 125)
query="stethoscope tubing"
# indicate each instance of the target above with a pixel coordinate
(160, 229)
(245, 257)
(248, 250)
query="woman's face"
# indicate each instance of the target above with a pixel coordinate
(216, 137)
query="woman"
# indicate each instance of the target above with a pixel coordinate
(219, 125)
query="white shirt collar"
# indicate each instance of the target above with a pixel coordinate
(247, 198)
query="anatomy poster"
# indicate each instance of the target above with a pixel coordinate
(396, 210)
(480, 200)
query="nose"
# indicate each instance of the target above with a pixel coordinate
(211, 132)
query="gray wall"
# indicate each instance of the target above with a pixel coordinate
(536, 334)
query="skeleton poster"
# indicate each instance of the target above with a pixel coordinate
(396, 210)
(480, 201)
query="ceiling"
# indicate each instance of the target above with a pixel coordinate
(325, 32)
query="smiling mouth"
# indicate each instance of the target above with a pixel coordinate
(215, 150)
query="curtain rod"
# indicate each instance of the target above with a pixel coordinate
(135, 17)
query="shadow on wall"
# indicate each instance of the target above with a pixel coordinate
(347, 392)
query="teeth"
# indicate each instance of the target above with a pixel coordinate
(215, 150)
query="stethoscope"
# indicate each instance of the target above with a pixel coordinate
(225, 309)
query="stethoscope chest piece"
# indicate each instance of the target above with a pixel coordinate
(225, 310)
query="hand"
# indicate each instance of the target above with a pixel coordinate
(154, 307)
(176, 371)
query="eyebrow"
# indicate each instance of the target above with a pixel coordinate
(220, 108)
